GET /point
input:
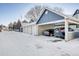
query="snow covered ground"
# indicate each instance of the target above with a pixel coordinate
(22, 44)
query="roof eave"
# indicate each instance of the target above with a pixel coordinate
(59, 21)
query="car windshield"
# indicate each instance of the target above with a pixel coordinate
(70, 29)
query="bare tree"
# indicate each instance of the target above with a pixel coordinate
(58, 9)
(33, 13)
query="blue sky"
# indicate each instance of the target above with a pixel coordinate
(10, 12)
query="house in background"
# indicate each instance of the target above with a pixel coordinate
(3, 28)
(50, 19)
(24, 24)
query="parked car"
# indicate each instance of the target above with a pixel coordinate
(60, 32)
(48, 32)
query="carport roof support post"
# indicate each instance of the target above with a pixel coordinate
(66, 30)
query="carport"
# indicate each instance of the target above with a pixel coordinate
(61, 23)
(48, 25)
(50, 19)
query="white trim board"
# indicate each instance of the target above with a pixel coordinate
(53, 22)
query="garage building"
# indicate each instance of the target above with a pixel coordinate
(50, 19)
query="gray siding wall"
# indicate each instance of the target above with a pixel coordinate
(49, 16)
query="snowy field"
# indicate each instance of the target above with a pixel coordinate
(22, 44)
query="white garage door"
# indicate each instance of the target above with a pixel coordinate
(29, 29)
(34, 30)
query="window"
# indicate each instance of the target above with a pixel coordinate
(46, 12)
